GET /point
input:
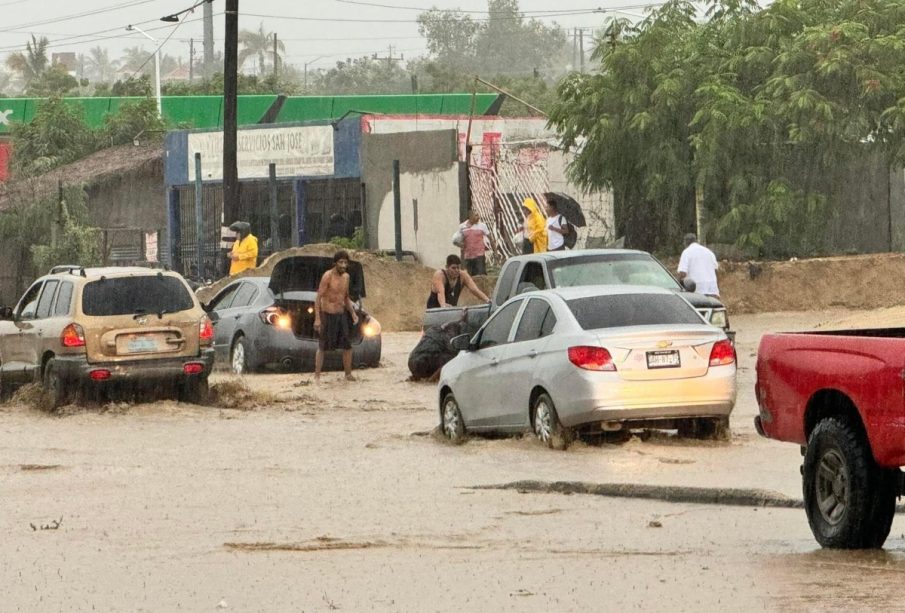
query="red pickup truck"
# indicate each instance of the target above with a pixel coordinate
(841, 396)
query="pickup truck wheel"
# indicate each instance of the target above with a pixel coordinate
(547, 427)
(884, 508)
(849, 500)
(453, 425)
(54, 387)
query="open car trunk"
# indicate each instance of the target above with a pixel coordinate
(294, 283)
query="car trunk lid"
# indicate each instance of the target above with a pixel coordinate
(656, 355)
(302, 273)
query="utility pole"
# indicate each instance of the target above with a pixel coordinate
(574, 48)
(581, 47)
(230, 85)
(276, 58)
(389, 58)
(191, 60)
(208, 41)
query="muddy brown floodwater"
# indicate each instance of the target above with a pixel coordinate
(336, 497)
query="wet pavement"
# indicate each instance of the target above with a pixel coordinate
(336, 497)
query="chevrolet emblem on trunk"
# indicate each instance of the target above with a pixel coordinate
(663, 344)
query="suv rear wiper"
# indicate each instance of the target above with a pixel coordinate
(139, 313)
(161, 313)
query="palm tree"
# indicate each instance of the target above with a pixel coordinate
(135, 58)
(260, 45)
(99, 65)
(33, 63)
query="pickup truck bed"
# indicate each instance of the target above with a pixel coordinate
(841, 395)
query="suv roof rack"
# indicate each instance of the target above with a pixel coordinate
(70, 268)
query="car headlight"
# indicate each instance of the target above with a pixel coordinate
(371, 328)
(718, 318)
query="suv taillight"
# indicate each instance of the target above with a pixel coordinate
(591, 358)
(722, 353)
(72, 336)
(206, 330)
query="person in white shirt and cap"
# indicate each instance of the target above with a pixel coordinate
(699, 264)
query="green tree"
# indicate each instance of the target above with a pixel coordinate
(57, 135)
(750, 110)
(505, 44)
(365, 75)
(132, 118)
(100, 68)
(45, 231)
(259, 45)
(55, 81)
(33, 62)
(135, 59)
(72, 239)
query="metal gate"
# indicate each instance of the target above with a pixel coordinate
(316, 200)
(501, 177)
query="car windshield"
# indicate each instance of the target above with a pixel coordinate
(615, 269)
(595, 312)
(150, 294)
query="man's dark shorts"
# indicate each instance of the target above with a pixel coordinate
(335, 332)
(476, 266)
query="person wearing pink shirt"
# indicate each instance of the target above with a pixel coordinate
(474, 232)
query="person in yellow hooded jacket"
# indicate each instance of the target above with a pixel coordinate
(244, 254)
(535, 225)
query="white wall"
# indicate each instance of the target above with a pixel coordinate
(436, 196)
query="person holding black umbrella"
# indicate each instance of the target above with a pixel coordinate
(557, 227)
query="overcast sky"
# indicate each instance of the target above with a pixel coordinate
(317, 32)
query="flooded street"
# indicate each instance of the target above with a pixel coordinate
(338, 497)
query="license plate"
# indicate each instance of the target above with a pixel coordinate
(663, 359)
(140, 344)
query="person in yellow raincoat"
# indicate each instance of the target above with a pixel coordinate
(535, 225)
(244, 254)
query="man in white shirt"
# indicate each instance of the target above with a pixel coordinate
(699, 264)
(556, 228)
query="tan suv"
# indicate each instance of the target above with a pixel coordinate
(85, 329)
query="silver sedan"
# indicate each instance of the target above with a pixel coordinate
(590, 358)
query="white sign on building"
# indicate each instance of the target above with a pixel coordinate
(296, 151)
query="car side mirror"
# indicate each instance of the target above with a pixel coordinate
(461, 342)
(213, 316)
(6, 313)
(689, 284)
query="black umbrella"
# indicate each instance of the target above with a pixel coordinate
(568, 207)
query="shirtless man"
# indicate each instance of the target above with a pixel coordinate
(330, 320)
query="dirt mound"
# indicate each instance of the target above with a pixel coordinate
(396, 291)
(855, 282)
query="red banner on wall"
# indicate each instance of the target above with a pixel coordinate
(5, 152)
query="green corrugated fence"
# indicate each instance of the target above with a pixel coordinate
(207, 111)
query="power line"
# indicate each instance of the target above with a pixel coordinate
(356, 20)
(72, 40)
(425, 10)
(159, 47)
(75, 15)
